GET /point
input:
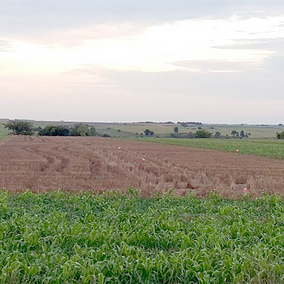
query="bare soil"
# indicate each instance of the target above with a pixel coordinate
(98, 164)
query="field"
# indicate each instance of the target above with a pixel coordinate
(136, 212)
(165, 129)
(264, 148)
(97, 164)
(160, 129)
(59, 237)
(132, 129)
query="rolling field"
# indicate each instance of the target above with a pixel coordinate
(98, 164)
(132, 129)
(131, 212)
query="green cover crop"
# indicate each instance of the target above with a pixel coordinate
(59, 237)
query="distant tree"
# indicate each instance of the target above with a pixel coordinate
(48, 130)
(148, 132)
(217, 134)
(106, 135)
(93, 131)
(80, 129)
(38, 129)
(203, 133)
(54, 130)
(62, 130)
(176, 129)
(280, 135)
(235, 133)
(183, 124)
(20, 127)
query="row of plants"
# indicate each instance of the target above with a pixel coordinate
(58, 237)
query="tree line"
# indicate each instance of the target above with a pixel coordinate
(22, 127)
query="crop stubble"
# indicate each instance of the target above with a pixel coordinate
(88, 163)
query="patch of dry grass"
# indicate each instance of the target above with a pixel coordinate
(77, 163)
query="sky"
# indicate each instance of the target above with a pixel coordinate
(213, 61)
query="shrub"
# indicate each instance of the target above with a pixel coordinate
(80, 130)
(148, 132)
(20, 127)
(203, 133)
(280, 135)
(53, 130)
(218, 134)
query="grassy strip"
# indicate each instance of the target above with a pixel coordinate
(58, 237)
(3, 131)
(265, 148)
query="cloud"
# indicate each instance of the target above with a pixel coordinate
(250, 84)
(94, 93)
(216, 65)
(5, 45)
(272, 44)
(218, 61)
(37, 18)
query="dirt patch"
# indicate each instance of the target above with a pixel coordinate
(77, 163)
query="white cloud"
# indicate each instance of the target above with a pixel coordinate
(142, 60)
(127, 47)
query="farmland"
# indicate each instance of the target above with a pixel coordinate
(101, 210)
(164, 130)
(259, 147)
(134, 129)
(98, 164)
(59, 237)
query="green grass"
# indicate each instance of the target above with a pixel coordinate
(161, 129)
(3, 131)
(265, 148)
(127, 129)
(58, 237)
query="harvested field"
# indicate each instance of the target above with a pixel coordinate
(77, 163)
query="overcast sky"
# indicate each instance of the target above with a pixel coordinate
(215, 61)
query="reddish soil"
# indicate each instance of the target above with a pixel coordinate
(77, 163)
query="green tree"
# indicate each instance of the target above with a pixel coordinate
(55, 130)
(20, 127)
(175, 129)
(93, 131)
(217, 134)
(280, 135)
(235, 133)
(80, 130)
(203, 133)
(148, 132)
